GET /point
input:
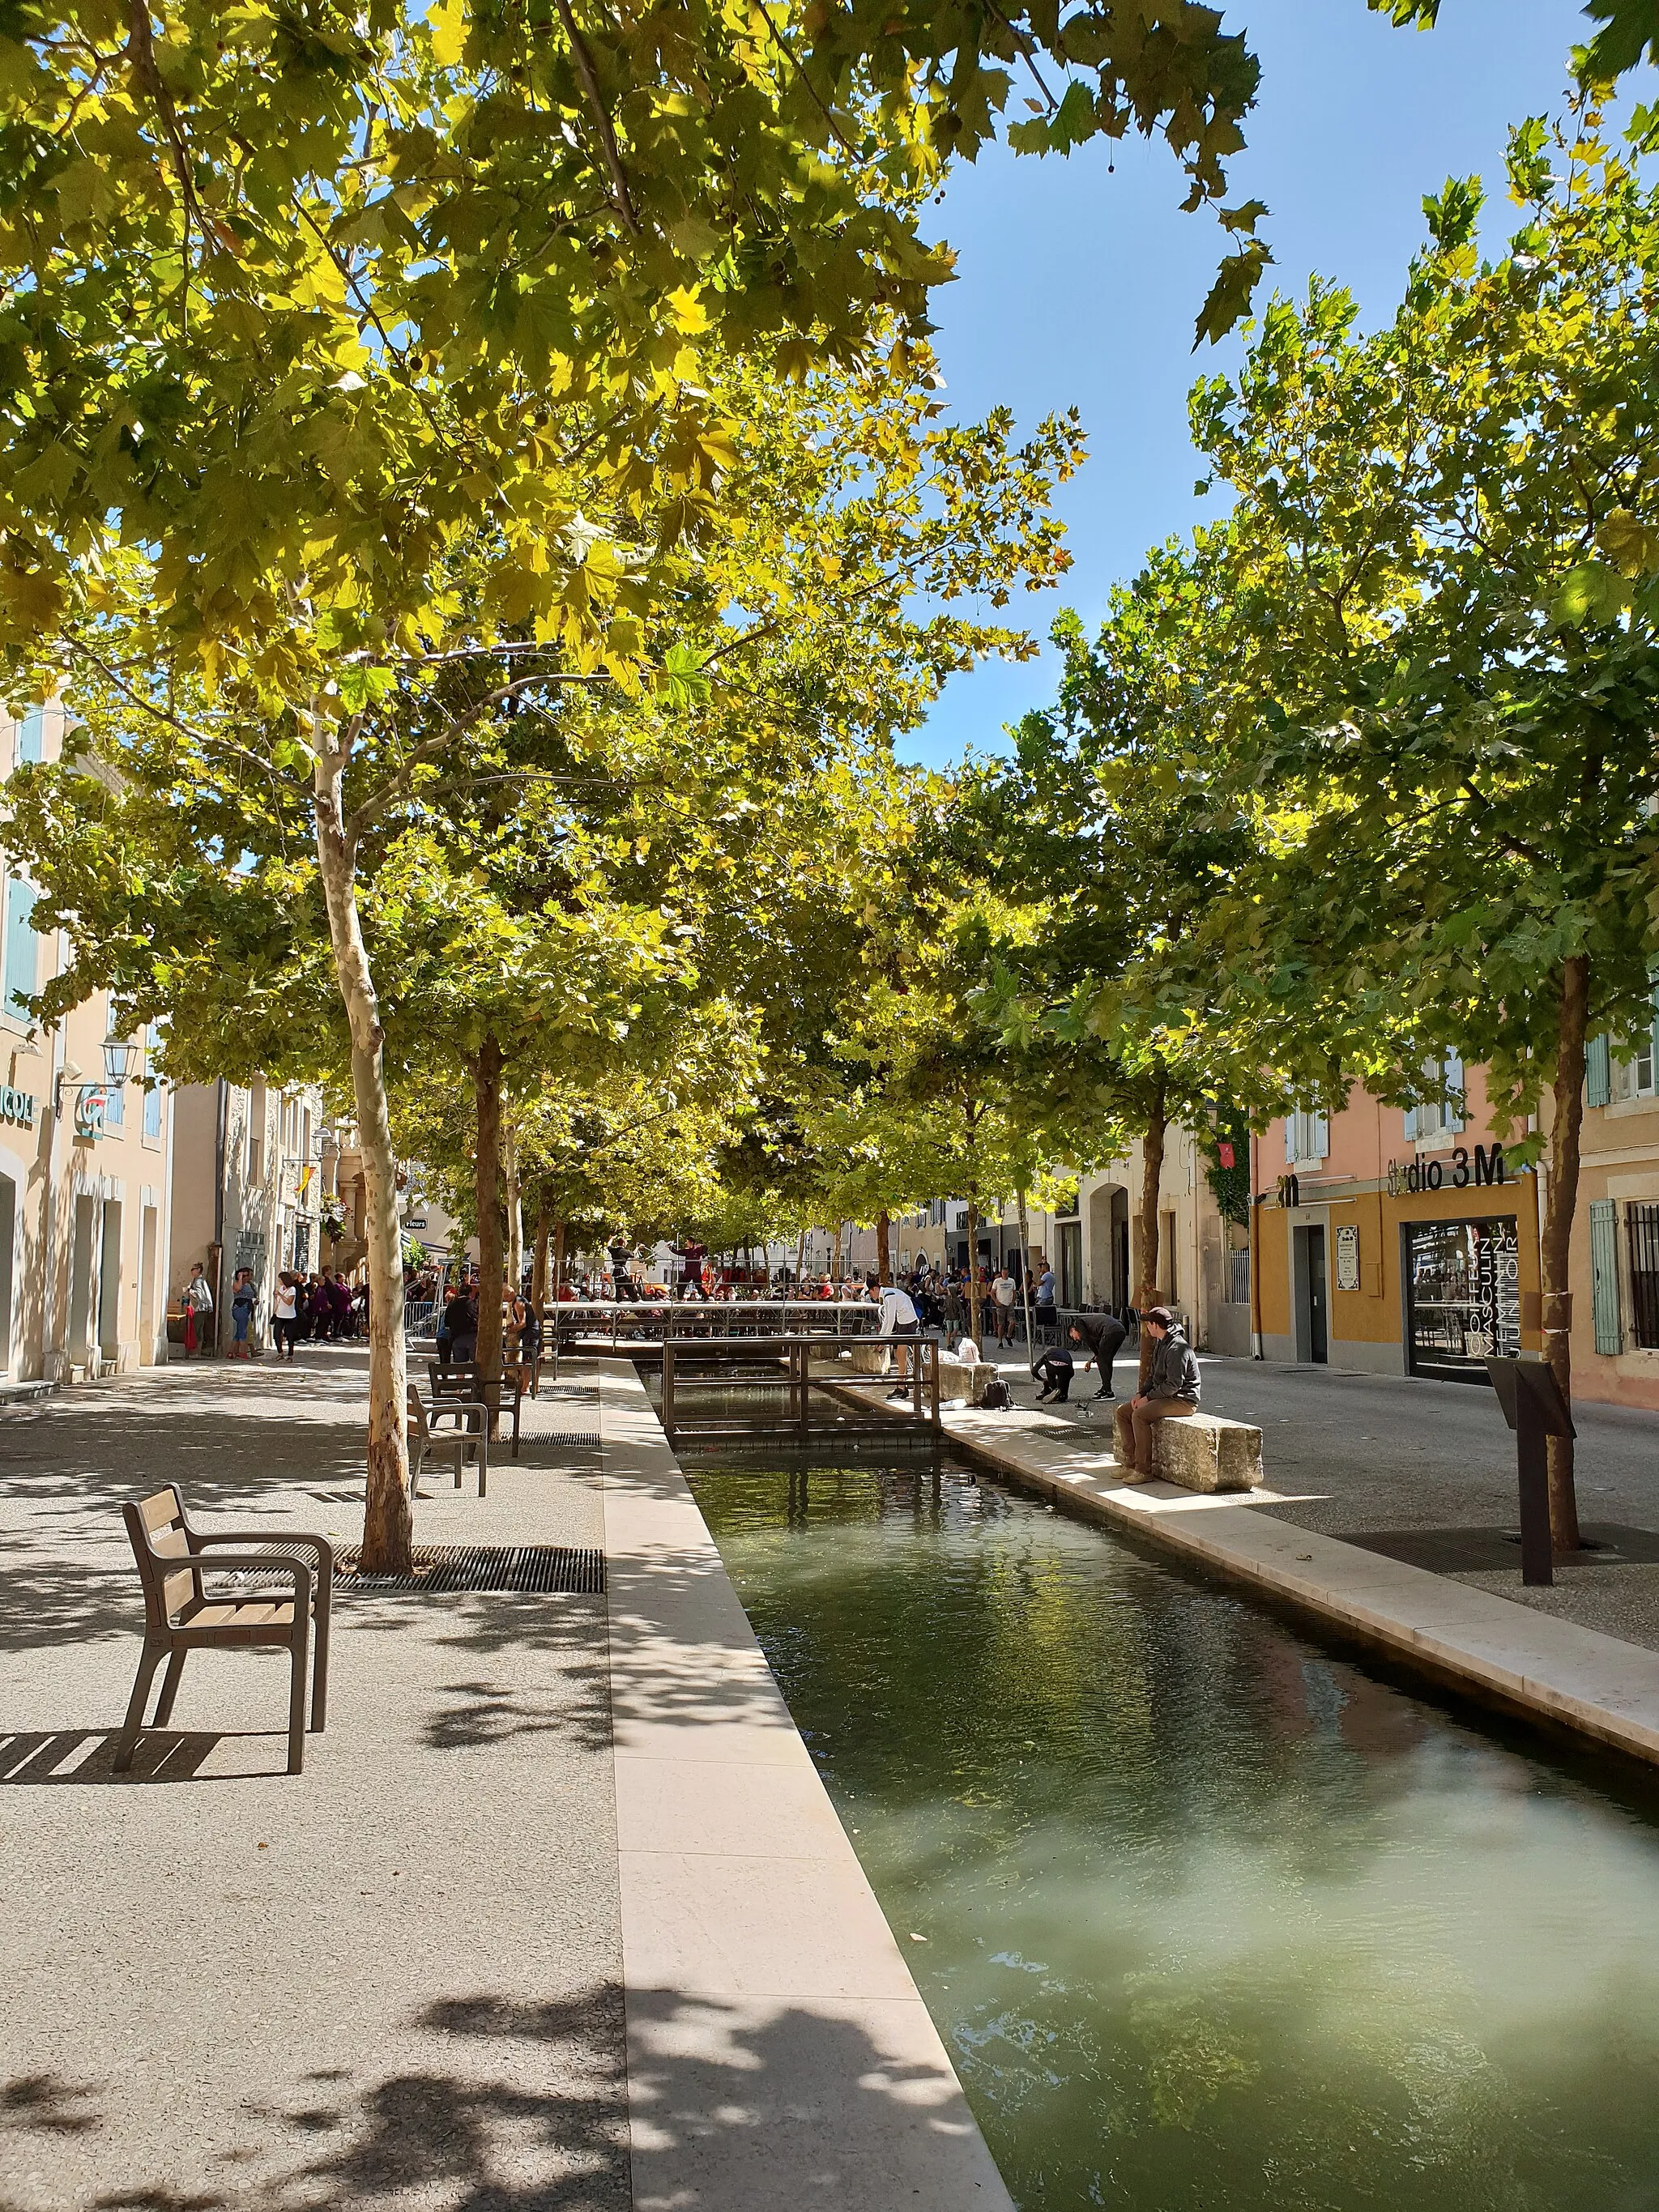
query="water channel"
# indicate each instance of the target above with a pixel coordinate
(1214, 1917)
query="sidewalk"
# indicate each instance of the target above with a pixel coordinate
(396, 1981)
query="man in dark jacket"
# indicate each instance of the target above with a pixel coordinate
(1172, 1393)
(1100, 1335)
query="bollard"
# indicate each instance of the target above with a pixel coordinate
(1534, 1408)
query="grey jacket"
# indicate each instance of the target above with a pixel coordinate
(1175, 1371)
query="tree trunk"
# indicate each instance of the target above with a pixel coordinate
(1560, 1203)
(486, 1193)
(883, 1249)
(387, 1521)
(801, 1259)
(514, 1209)
(973, 1274)
(1025, 1277)
(539, 1273)
(1151, 1177)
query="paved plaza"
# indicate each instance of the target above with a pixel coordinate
(396, 1981)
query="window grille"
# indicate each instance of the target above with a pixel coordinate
(1239, 1278)
(1642, 1230)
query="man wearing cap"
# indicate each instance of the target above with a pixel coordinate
(1172, 1393)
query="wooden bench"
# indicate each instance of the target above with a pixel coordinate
(179, 1616)
(1203, 1452)
(471, 1433)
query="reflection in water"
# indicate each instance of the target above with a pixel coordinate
(1214, 1919)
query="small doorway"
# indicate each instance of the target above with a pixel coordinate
(147, 1242)
(79, 1312)
(1312, 1304)
(109, 1286)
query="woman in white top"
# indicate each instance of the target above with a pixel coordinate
(285, 1315)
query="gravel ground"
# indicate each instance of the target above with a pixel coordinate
(393, 1981)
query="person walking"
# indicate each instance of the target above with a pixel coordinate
(453, 1325)
(1003, 1291)
(1102, 1336)
(1043, 1318)
(244, 1298)
(196, 1300)
(464, 1328)
(284, 1316)
(530, 1342)
(1172, 1393)
(899, 1318)
(339, 1298)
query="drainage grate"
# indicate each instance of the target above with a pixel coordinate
(565, 1439)
(440, 1567)
(543, 1569)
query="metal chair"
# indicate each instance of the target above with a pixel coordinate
(179, 1616)
(471, 1432)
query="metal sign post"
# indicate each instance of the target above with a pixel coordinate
(1534, 1408)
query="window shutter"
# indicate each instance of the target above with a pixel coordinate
(1322, 1137)
(1656, 1035)
(1290, 1140)
(1454, 1082)
(20, 947)
(1411, 1124)
(1598, 1072)
(1604, 1274)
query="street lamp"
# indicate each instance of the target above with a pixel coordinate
(119, 1056)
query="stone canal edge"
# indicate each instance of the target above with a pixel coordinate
(1526, 1662)
(778, 2050)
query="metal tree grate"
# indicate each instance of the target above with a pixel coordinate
(565, 1439)
(542, 1570)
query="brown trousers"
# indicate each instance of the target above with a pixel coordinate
(1134, 1424)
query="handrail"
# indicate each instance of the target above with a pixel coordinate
(796, 1380)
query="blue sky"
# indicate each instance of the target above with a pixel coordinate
(1078, 286)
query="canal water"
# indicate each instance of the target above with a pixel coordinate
(1211, 1916)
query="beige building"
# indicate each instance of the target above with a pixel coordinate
(85, 1156)
(247, 1191)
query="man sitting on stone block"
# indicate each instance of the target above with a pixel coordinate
(1171, 1393)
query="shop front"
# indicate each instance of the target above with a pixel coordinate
(1463, 1295)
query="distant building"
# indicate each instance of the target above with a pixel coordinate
(247, 1190)
(85, 1154)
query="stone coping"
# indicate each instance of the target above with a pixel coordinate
(778, 2051)
(1530, 1662)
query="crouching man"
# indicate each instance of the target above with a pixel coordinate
(1172, 1393)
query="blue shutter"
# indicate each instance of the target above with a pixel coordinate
(1604, 1274)
(152, 1098)
(1598, 1072)
(1290, 1140)
(1454, 1082)
(1322, 1137)
(21, 977)
(31, 734)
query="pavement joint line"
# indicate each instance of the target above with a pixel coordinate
(1530, 1662)
(749, 1930)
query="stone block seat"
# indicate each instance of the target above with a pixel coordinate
(1206, 1453)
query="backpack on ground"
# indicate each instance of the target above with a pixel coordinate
(997, 1397)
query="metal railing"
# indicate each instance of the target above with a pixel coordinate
(421, 1316)
(650, 1321)
(1642, 1231)
(779, 1368)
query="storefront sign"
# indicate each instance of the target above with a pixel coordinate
(1455, 1172)
(90, 1112)
(1347, 1258)
(1464, 1293)
(17, 1107)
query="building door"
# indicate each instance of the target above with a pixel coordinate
(147, 1289)
(109, 1283)
(79, 1312)
(1068, 1235)
(1312, 1302)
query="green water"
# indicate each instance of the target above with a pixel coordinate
(1213, 1918)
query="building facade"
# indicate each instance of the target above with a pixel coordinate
(247, 1191)
(86, 1139)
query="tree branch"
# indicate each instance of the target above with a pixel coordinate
(590, 83)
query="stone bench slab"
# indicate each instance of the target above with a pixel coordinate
(1206, 1453)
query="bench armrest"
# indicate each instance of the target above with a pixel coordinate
(200, 1539)
(466, 1410)
(259, 1563)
